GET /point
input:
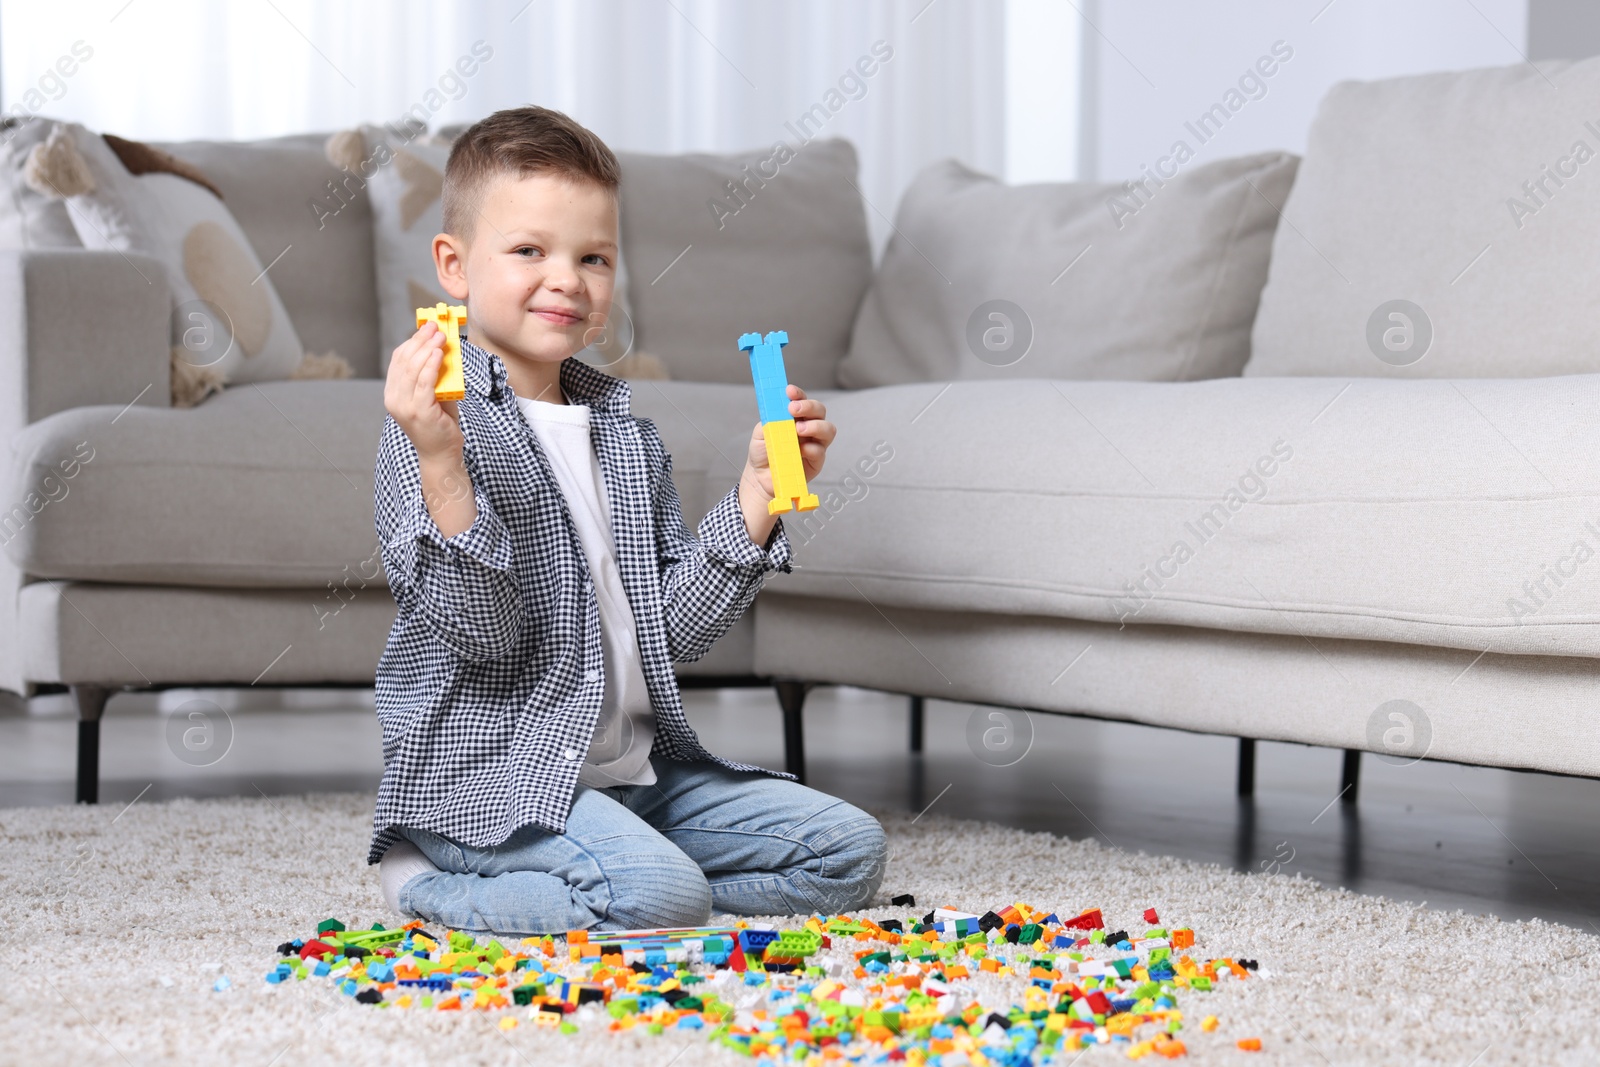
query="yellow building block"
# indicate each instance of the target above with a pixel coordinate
(789, 490)
(449, 318)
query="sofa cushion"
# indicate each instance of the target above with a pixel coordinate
(227, 316)
(1465, 515)
(28, 218)
(788, 251)
(270, 485)
(285, 194)
(263, 485)
(1071, 280)
(1442, 227)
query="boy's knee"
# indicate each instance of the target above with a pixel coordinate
(670, 892)
(856, 862)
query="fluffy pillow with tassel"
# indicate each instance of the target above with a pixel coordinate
(228, 325)
(405, 179)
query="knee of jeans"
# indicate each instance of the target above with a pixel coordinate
(671, 892)
(855, 865)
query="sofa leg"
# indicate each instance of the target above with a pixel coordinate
(792, 699)
(91, 701)
(1350, 779)
(916, 724)
(1247, 767)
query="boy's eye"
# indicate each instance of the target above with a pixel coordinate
(526, 250)
(596, 259)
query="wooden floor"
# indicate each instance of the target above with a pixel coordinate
(1511, 844)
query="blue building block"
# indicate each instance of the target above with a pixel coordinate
(766, 368)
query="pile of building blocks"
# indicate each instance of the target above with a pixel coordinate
(922, 990)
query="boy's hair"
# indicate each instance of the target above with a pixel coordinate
(521, 141)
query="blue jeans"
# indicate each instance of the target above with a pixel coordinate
(701, 839)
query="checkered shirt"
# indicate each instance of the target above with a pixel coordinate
(491, 681)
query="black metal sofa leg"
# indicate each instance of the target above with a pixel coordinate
(91, 701)
(1247, 767)
(792, 699)
(916, 724)
(1350, 778)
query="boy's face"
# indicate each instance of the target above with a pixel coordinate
(538, 270)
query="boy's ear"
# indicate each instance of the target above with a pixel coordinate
(450, 263)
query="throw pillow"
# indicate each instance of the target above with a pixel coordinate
(28, 218)
(1076, 280)
(228, 324)
(1443, 226)
(405, 178)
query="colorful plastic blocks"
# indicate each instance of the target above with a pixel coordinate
(789, 491)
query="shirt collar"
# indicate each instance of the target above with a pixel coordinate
(583, 384)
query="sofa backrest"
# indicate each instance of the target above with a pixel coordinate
(1442, 226)
(279, 192)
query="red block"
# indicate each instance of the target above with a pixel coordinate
(314, 950)
(1089, 920)
(1151, 917)
(1099, 1002)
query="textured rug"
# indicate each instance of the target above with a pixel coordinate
(120, 923)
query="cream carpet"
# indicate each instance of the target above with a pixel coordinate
(119, 922)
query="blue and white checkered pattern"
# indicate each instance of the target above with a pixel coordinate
(490, 685)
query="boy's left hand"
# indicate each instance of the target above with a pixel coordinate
(815, 432)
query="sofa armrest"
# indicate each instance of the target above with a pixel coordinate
(81, 327)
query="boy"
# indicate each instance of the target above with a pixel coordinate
(539, 773)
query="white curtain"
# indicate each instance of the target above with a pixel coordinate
(647, 75)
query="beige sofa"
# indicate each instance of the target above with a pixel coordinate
(1358, 529)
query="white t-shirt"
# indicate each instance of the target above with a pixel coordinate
(619, 753)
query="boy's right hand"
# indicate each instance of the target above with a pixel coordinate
(408, 393)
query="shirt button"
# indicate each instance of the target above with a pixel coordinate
(571, 753)
(591, 676)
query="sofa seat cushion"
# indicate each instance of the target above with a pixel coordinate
(270, 485)
(1460, 514)
(266, 485)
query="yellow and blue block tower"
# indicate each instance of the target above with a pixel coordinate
(789, 492)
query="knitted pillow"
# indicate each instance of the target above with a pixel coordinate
(228, 325)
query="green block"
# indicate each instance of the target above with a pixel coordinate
(1156, 931)
(1029, 934)
(493, 951)
(1148, 991)
(875, 957)
(1201, 983)
(572, 1028)
(460, 942)
(1159, 954)
(1173, 1026)
(689, 1004)
(1097, 937)
(655, 1028)
(1122, 968)
(794, 944)
(327, 926)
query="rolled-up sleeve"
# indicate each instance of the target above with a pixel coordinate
(710, 579)
(464, 588)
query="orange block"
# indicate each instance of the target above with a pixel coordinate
(1183, 938)
(1250, 1044)
(988, 964)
